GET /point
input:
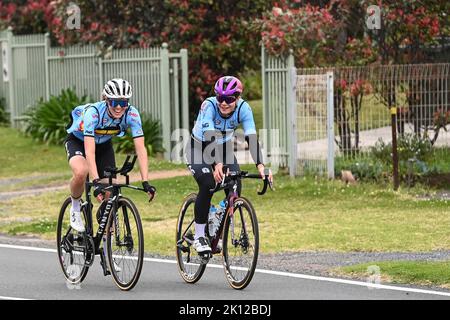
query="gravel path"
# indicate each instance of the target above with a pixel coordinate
(36, 190)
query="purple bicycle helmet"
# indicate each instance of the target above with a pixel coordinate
(228, 86)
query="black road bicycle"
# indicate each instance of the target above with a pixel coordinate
(119, 239)
(237, 236)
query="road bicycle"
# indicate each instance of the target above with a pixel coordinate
(119, 239)
(237, 236)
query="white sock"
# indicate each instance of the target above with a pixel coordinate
(76, 204)
(199, 230)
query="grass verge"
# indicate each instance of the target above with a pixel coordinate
(412, 272)
(22, 157)
(301, 215)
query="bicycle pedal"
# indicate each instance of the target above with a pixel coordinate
(205, 257)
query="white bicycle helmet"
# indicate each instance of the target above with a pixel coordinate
(117, 89)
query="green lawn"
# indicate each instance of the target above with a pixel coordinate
(302, 214)
(411, 272)
(22, 157)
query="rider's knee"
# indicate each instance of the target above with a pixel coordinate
(80, 173)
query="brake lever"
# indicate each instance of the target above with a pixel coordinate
(271, 186)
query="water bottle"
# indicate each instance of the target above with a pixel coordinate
(215, 217)
(222, 206)
(212, 220)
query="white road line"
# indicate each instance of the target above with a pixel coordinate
(12, 298)
(276, 273)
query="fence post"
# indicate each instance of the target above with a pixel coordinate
(184, 89)
(12, 98)
(47, 67)
(393, 110)
(165, 99)
(291, 113)
(175, 93)
(330, 124)
(100, 73)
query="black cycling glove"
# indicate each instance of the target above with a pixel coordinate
(148, 188)
(98, 188)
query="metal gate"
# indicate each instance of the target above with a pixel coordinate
(298, 110)
(312, 118)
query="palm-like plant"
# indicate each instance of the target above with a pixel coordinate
(47, 120)
(4, 119)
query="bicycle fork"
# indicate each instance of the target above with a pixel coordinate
(101, 235)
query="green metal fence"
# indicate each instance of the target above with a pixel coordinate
(324, 113)
(159, 78)
(285, 105)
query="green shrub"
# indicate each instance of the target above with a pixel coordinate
(409, 146)
(47, 120)
(252, 82)
(152, 135)
(4, 117)
(417, 161)
(364, 168)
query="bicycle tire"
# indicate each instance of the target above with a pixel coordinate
(81, 274)
(190, 272)
(242, 245)
(125, 206)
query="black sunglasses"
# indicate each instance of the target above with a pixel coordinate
(227, 99)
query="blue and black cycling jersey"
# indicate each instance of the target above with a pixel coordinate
(93, 120)
(210, 124)
(209, 119)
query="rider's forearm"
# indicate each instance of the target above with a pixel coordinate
(255, 149)
(89, 147)
(141, 153)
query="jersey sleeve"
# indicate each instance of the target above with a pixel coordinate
(134, 123)
(90, 121)
(247, 120)
(207, 118)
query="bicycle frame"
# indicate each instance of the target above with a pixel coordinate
(231, 198)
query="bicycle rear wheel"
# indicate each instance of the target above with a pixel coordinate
(190, 264)
(71, 247)
(125, 244)
(240, 244)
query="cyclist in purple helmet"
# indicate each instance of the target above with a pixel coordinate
(211, 147)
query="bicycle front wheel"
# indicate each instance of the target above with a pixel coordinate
(75, 251)
(190, 264)
(125, 244)
(240, 244)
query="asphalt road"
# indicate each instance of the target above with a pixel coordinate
(34, 273)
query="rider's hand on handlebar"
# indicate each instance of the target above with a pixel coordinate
(151, 190)
(261, 170)
(98, 190)
(218, 173)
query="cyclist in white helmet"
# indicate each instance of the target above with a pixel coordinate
(88, 144)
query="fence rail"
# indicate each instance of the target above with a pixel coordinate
(35, 70)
